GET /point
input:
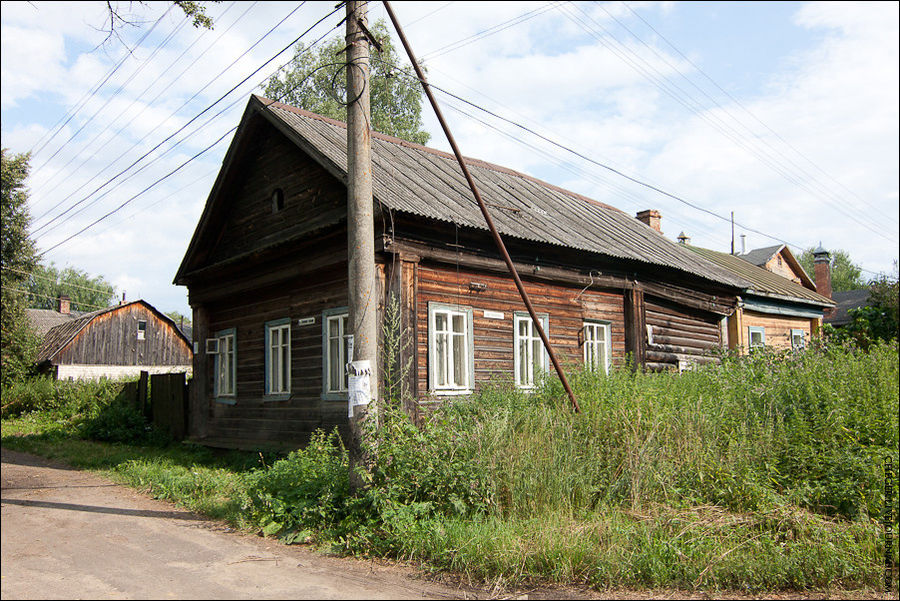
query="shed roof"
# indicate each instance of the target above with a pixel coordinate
(59, 336)
(43, 320)
(850, 299)
(762, 281)
(425, 182)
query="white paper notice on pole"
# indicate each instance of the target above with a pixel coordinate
(359, 384)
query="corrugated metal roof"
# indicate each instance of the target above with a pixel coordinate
(763, 281)
(428, 183)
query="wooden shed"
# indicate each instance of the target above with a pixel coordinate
(116, 342)
(266, 272)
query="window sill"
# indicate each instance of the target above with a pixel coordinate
(336, 396)
(456, 392)
(225, 400)
(275, 398)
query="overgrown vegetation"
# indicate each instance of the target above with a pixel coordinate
(765, 472)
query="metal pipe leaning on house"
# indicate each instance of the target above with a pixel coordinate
(487, 217)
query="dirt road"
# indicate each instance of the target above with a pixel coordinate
(67, 534)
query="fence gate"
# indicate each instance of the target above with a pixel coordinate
(168, 403)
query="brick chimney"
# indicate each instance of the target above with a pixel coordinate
(650, 217)
(64, 304)
(823, 271)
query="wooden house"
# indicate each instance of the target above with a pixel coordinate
(116, 342)
(780, 308)
(779, 260)
(266, 272)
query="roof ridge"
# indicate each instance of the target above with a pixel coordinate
(443, 154)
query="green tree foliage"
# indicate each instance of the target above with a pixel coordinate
(878, 320)
(86, 293)
(179, 318)
(316, 81)
(845, 274)
(17, 259)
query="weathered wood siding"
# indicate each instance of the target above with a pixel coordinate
(254, 419)
(566, 306)
(778, 328)
(111, 338)
(678, 336)
(312, 198)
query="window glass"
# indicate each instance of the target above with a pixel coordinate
(597, 344)
(336, 353)
(278, 356)
(449, 347)
(757, 336)
(225, 366)
(531, 357)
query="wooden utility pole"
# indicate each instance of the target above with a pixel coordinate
(360, 229)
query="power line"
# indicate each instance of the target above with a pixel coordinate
(158, 125)
(71, 114)
(595, 162)
(489, 31)
(682, 97)
(55, 281)
(79, 304)
(746, 110)
(138, 97)
(125, 203)
(200, 114)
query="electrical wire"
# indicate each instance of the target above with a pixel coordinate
(675, 91)
(134, 117)
(160, 123)
(72, 115)
(183, 127)
(740, 105)
(56, 281)
(131, 199)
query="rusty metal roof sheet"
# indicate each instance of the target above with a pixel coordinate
(426, 182)
(762, 281)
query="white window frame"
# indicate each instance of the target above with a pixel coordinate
(142, 331)
(531, 339)
(276, 366)
(226, 359)
(448, 359)
(802, 334)
(592, 345)
(751, 330)
(338, 318)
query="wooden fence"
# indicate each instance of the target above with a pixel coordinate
(167, 403)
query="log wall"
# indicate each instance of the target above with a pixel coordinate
(677, 336)
(567, 307)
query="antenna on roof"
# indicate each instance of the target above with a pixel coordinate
(732, 232)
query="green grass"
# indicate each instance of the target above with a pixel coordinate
(762, 473)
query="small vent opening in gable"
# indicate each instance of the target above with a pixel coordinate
(277, 200)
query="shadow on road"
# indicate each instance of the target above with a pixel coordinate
(174, 515)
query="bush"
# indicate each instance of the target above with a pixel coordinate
(101, 410)
(307, 490)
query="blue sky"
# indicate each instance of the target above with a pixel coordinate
(802, 144)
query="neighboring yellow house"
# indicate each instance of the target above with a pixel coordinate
(781, 309)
